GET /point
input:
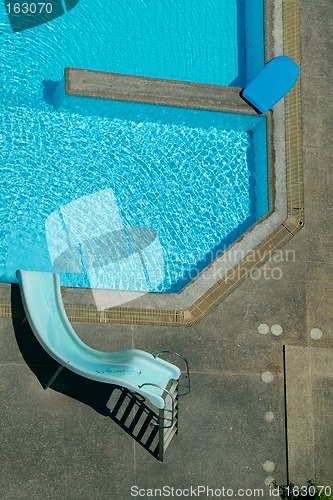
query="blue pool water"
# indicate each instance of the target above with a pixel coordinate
(196, 179)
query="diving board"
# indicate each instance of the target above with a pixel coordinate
(272, 83)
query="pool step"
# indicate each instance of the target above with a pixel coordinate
(120, 87)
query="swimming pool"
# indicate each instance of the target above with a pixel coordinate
(199, 179)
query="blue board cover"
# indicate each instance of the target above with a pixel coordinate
(272, 83)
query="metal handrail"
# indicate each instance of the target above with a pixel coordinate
(166, 351)
(172, 411)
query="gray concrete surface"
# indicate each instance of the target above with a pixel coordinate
(60, 443)
(309, 389)
(60, 437)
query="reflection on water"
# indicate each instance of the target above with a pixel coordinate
(87, 237)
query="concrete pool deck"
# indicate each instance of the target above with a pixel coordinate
(60, 443)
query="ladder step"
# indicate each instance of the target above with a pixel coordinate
(173, 389)
(169, 431)
(167, 420)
